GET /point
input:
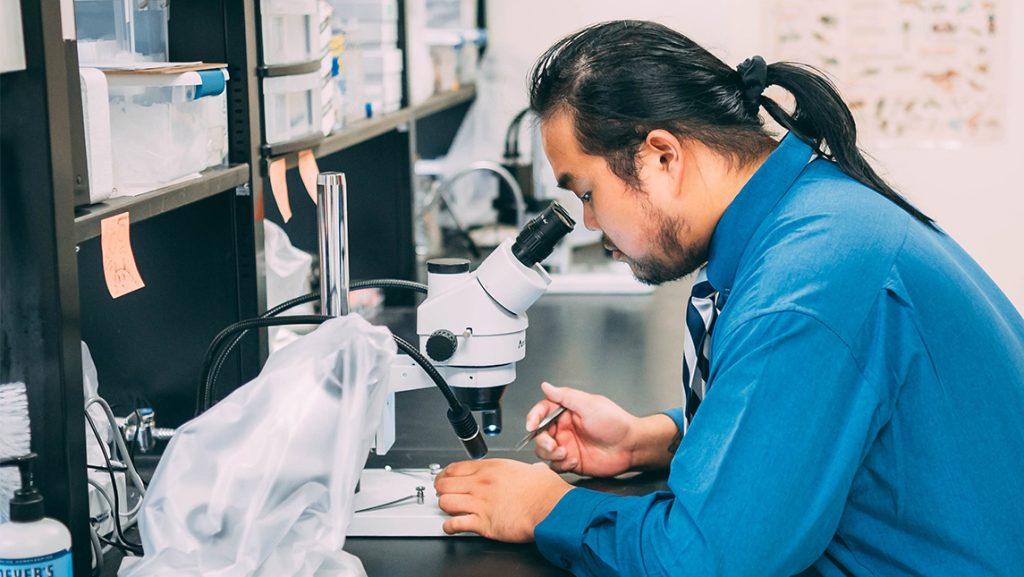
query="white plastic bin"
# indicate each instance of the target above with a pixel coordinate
(291, 31)
(366, 10)
(165, 127)
(370, 35)
(384, 88)
(382, 62)
(292, 106)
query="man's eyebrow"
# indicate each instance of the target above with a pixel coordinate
(565, 181)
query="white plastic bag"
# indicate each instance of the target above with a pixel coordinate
(288, 270)
(262, 483)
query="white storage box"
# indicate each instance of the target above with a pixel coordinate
(382, 62)
(370, 35)
(366, 10)
(165, 127)
(383, 88)
(291, 31)
(292, 106)
(96, 117)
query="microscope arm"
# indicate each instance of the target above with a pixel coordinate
(407, 375)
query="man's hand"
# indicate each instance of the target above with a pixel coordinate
(596, 437)
(497, 498)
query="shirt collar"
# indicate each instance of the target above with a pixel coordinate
(753, 203)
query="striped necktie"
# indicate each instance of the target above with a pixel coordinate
(701, 313)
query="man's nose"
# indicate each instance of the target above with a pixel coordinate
(588, 219)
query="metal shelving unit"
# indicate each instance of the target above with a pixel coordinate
(371, 128)
(444, 101)
(198, 243)
(211, 182)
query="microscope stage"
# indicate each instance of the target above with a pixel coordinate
(407, 516)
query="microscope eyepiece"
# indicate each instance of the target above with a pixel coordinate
(539, 237)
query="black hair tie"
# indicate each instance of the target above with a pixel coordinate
(754, 77)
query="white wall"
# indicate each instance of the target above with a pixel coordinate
(971, 192)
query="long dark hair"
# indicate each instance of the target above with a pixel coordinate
(621, 80)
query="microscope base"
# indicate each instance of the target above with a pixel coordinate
(409, 518)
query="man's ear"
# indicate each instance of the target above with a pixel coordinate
(661, 156)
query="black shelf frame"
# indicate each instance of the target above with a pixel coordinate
(51, 287)
(211, 182)
(371, 128)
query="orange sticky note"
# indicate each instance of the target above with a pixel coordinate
(308, 171)
(119, 268)
(279, 187)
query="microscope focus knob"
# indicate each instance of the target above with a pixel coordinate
(441, 345)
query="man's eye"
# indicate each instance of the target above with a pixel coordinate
(585, 197)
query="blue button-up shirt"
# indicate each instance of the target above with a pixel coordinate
(865, 409)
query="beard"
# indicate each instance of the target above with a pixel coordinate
(675, 260)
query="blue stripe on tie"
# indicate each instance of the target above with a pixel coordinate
(698, 330)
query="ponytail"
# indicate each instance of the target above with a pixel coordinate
(823, 120)
(621, 80)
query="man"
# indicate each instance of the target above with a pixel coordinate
(860, 380)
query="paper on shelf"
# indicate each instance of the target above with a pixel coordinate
(156, 67)
(278, 172)
(119, 268)
(308, 170)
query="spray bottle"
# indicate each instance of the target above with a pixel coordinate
(31, 544)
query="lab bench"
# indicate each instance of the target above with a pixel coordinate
(625, 347)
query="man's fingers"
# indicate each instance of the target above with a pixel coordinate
(457, 485)
(458, 504)
(549, 450)
(463, 524)
(563, 465)
(461, 469)
(538, 412)
(545, 441)
(572, 399)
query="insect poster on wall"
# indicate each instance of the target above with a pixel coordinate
(914, 72)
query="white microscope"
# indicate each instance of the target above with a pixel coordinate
(471, 327)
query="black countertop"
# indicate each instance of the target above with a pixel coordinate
(628, 348)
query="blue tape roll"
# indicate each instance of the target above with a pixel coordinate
(212, 83)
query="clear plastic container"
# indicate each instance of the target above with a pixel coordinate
(165, 127)
(382, 62)
(150, 25)
(121, 31)
(386, 88)
(369, 35)
(365, 11)
(292, 106)
(290, 31)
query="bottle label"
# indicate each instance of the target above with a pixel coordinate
(55, 565)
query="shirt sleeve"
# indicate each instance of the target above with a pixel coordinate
(676, 414)
(760, 481)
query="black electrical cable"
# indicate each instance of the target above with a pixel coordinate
(206, 393)
(474, 250)
(211, 351)
(460, 417)
(407, 348)
(428, 367)
(116, 513)
(435, 376)
(97, 552)
(121, 469)
(512, 135)
(389, 283)
(119, 546)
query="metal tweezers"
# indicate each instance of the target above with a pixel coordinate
(547, 422)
